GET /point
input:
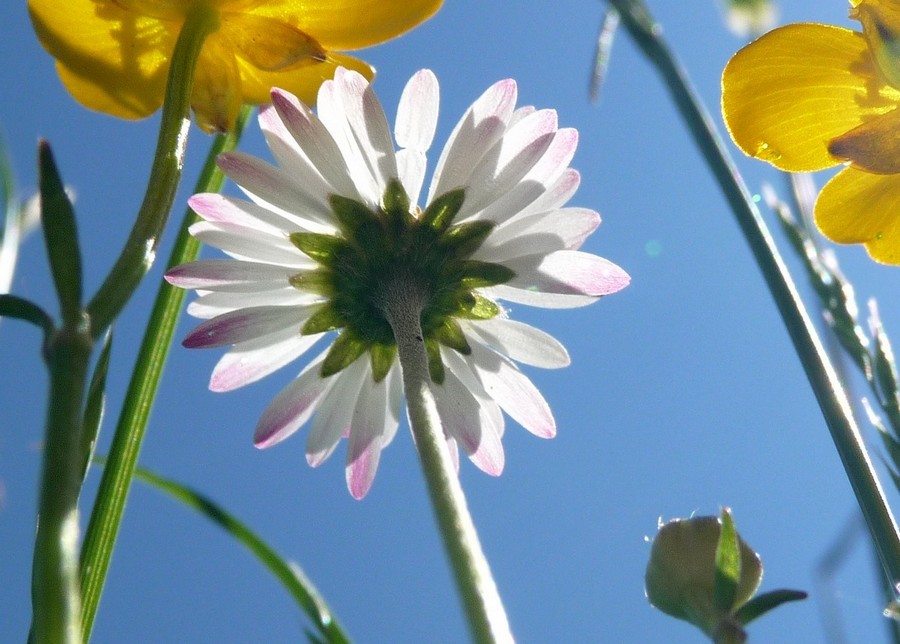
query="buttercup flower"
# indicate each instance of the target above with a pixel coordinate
(806, 97)
(332, 236)
(113, 55)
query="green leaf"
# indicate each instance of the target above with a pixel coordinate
(288, 573)
(728, 564)
(94, 405)
(465, 239)
(320, 282)
(395, 201)
(61, 237)
(440, 212)
(326, 318)
(12, 306)
(477, 307)
(765, 602)
(477, 274)
(450, 334)
(435, 362)
(382, 356)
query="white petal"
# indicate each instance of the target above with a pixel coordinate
(292, 407)
(538, 298)
(464, 420)
(521, 342)
(271, 186)
(370, 419)
(511, 158)
(315, 140)
(250, 361)
(247, 324)
(417, 112)
(571, 226)
(568, 272)
(556, 195)
(335, 412)
(513, 391)
(251, 244)
(463, 370)
(475, 133)
(290, 156)
(411, 166)
(214, 303)
(228, 275)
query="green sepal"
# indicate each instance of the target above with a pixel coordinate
(382, 356)
(451, 334)
(319, 247)
(395, 202)
(350, 213)
(346, 348)
(435, 363)
(319, 281)
(477, 307)
(61, 237)
(327, 318)
(441, 212)
(475, 274)
(764, 602)
(728, 564)
(464, 239)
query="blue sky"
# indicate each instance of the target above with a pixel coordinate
(684, 394)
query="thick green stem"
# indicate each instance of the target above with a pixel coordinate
(54, 590)
(140, 250)
(109, 508)
(821, 374)
(487, 617)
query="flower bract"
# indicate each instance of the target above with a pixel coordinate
(332, 235)
(805, 97)
(113, 55)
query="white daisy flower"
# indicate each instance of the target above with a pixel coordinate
(332, 234)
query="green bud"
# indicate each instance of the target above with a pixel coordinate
(684, 581)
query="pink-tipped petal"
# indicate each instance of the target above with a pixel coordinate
(315, 141)
(255, 359)
(556, 195)
(228, 275)
(514, 392)
(366, 436)
(417, 112)
(335, 412)
(475, 133)
(211, 304)
(251, 244)
(564, 229)
(246, 324)
(567, 272)
(291, 408)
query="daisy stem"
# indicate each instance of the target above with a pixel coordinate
(821, 373)
(487, 617)
(140, 249)
(109, 507)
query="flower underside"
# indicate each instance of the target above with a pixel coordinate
(382, 256)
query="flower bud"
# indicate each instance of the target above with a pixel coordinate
(681, 576)
(750, 18)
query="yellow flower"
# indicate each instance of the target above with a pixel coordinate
(806, 97)
(113, 55)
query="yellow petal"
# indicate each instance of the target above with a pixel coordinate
(302, 81)
(267, 43)
(350, 24)
(859, 207)
(217, 93)
(873, 146)
(786, 95)
(109, 59)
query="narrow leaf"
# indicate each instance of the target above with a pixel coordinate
(728, 564)
(12, 306)
(765, 602)
(288, 573)
(95, 405)
(61, 237)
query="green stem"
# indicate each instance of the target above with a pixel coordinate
(487, 617)
(821, 374)
(109, 508)
(55, 596)
(140, 250)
